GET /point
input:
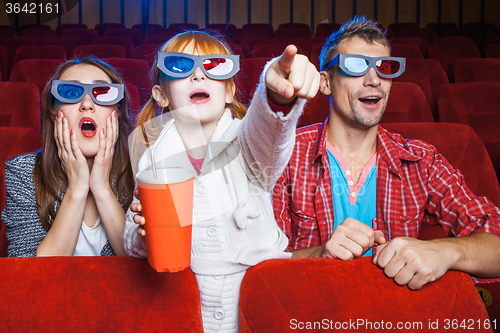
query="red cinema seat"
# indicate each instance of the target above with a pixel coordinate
(222, 28)
(429, 75)
(13, 141)
(157, 39)
(439, 28)
(236, 49)
(6, 31)
(124, 42)
(251, 32)
(447, 50)
(268, 50)
(181, 27)
(36, 71)
(61, 27)
(477, 70)
(476, 104)
(419, 42)
(324, 30)
(248, 77)
(306, 44)
(69, 43)
(247, 44)
(146, 52)
(408, 51)
(39, 52)
(11, 44)
(37, 32)
(493, 51)
(99, 51)
(4, 64)
(322, 294)
(264, 26)
(21, 102)
(407, 104)
(427, 34)
(136, 72)
(284, 34)
(135, 102)
(315, 53)
(134, 34)
(86, 34)
(397, 28)
(316, 110)
(102, 27)
(150, 28)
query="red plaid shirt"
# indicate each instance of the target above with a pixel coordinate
(414, 184)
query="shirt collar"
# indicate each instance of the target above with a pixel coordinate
(320, 144)
(393, 148)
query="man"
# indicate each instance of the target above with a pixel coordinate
(350, 184)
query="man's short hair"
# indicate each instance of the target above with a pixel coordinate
(359, 26)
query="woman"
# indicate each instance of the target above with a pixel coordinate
(70, 198)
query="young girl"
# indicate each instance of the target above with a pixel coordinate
(237, 161)
(70, 198)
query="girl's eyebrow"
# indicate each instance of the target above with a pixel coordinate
(100, 81)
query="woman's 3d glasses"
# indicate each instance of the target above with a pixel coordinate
(73, 92)
(215, 66)
(359, 65)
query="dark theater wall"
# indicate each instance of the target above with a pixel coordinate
(239, 12)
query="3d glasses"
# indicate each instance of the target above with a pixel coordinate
(73, 92)
(215, 66)
(359, 65)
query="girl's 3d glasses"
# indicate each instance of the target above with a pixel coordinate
(359, 65)
(73, 92)
(215, 66)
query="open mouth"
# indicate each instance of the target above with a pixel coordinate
(199, 96)
(88, 127)
(370, 100)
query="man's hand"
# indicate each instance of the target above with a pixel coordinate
(413, 262)
(351, 239)
(290, 76)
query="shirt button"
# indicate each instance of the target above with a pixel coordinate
(348, 172)
(201, 188)
(212, 231)
(350, 183)
(219, 314)
(353, 194)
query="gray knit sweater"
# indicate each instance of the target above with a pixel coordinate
(24, 229)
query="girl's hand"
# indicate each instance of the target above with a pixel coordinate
(290, 76)
(138, 218)
(73, 163)
(99, 177)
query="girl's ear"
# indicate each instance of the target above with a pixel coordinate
(230, 91)
(159, 97)
(324, 83)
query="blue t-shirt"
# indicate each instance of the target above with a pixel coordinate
(357, 201)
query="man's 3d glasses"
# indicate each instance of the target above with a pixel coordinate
(73, 92)
(359, 65)
(215, 66)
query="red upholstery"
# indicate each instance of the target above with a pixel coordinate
(37, 32)
(96, 294)
(264, 26)
(315, 52)
(69, 43)
(251, 32)
(11, 44)
(268, 50)
(100, 51)
(237, 50)
(316, 110)
(151, 27)
(408, 51)
(222, 28)
(13, 141)
(181, 27)
(326, 29)
(396, 28)
(36, 71)
(429, 75)
(6, 31)
(125, 42)
(284, 34)
(86, 34)
(157, 39)
(4, 64)
(493, 51)
(477, 70)
(306, 44)
(278, 294)
(136, 72)
(420, 42)
(248, 77)
(61, 27)
(134, 34)
(146, 52)
(428, 34)
(439, 28)
(102, 27)
(407, 103)
(478, 105)
(135, 102)
(39, 52)
(21, 105)
(447, 50)
(247, 44)
(475, 35)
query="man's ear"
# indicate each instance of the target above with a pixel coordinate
(230, 91)
(324, 83)
(159, 97)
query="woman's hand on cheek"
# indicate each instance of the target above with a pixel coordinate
(99, 177)
(73, 163)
